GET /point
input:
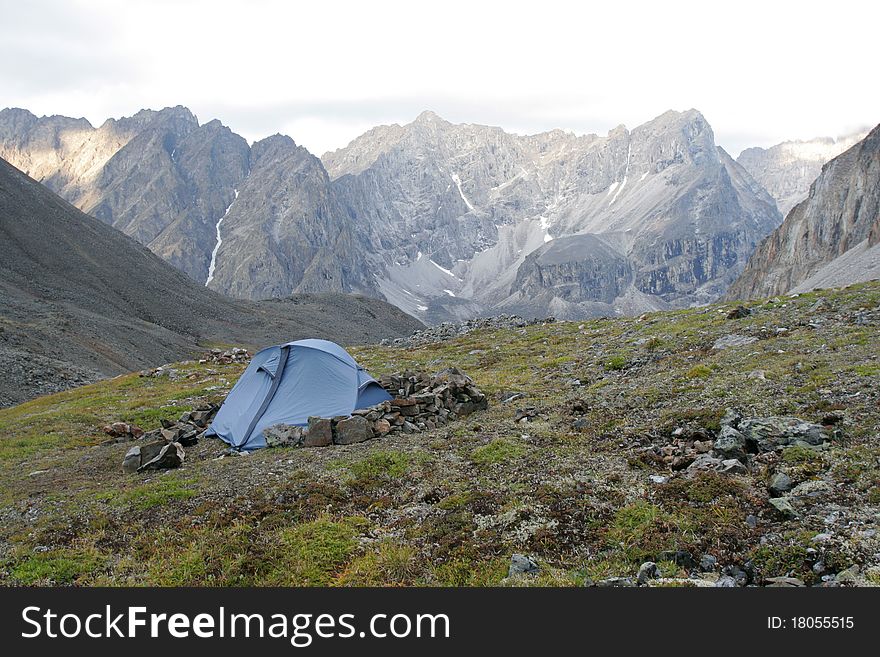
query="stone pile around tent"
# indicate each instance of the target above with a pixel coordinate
(164, 448)
(234, 355)
(421, 402)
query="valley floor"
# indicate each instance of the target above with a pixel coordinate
(582, 485)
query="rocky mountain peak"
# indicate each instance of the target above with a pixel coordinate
(787, 170)
(829, 239)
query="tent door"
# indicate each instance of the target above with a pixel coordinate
(279, 373)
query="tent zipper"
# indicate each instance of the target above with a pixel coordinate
(276, 381)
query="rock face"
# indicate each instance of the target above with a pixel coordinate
(831, 238)
(285, 231)
(468, 219)
(445, 221)
(159, 177)
(788, 169)
(79, 300)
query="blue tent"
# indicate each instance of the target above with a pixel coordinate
(288, 383)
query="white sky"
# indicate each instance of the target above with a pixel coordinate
(324, 72)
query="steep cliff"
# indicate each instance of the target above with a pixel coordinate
(841, 213)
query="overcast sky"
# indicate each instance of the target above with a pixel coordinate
(324, 72)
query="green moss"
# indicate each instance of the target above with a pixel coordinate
(378, 467)
(497, 451)
(63, 566)
(699, 372)
(783, 560)
(391, 564)
(167, 488)
(315, 553)
(617, 362)
(469, 572)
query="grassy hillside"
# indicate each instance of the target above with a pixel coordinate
(572, 488)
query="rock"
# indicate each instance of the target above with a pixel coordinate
(123, 431)
(383, 427)
(732, 340)
(520, 565)
(783, 507)
(752, 520)
(132, 460)
(731, 418)
(283, 435)
(739, 575)
(355, 429)
(615, 582)
(201, 418)
(731, 444)
(848, 576)
(708, 563)
(784, 582)
(525, 414)
(684, 559)
(647, 571)
(822, 304)
(506, 396)
(780, 483)
(319, 433)
(189, 438)
(732, 466)
(171, 456)
(658, 479)
(772, 433)
(739, 312)
(726, 582)
(580, 424)
(704, 463)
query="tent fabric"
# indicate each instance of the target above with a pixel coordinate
(288, 383)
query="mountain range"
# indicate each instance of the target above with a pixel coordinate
(80, 301)
(788, 169)
(830, 239)
(443, 220)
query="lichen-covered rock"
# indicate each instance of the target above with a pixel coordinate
(731, 444)
(771, 433)
(283, 435)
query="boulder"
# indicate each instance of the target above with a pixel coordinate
(783, 507)
(647, 571)
(732, 466)
(784, 582)
(704, 463)
(170, 455)
(522, 565)
(708, 563)
(767, 434)
(319, 433)
(739, 312)
(132, 460)
(283, 435)
(780, 483)
(355, 429)
(122, 431)
(731, 444)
